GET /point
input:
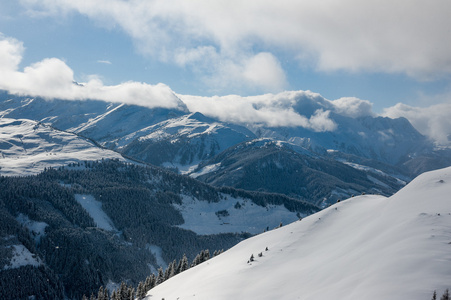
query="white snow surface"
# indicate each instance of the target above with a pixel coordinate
(158, 253)
(37, 229)
(202, 218)
(367, 247)
(94, 209)
(205, 170)
(22, 257)
(27, 147)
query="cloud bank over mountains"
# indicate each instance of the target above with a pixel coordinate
(53, 78)
(232, 42)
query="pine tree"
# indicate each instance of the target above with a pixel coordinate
(131, 293)
(185, 265)
(206, 254)
(160, 277)
(445, 295)
(173, 270)
(140, 290)
(102, 294)
(123, 292)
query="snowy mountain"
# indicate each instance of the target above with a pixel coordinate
(28, 147)
(385, 152)
(367, 247)
(281, 167)
(391, 141)
(184, 142)
(100, 223)
(104, 122)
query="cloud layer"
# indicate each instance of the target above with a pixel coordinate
(52, 78)
(290, 108)
(433, 121)
(235, 42)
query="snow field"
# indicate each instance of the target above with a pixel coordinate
(22, 257)
(202, 218)
(367, 247)
(27, 147)
(94, 209)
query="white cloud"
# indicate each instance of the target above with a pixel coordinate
(433, 121)
(264, 71)
(260, 72)
(410, 37)
(353, 107)
(106, 62)
(275, 110)
(52, 78)
(11, 51)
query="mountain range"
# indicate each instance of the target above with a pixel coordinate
(384, 153)
(128, 189)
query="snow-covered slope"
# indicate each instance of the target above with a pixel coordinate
(181, 138)
(368, 247)
(185, 141)
(27, 147)
(387, 140)
(281, 167)
(104, 122)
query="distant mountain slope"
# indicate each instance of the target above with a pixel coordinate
(185, 141)
(382, 150)
(28, 147)
(99, 120)
(391, 141)
(367, 247)
(280, 167)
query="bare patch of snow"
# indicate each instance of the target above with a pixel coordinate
(205, 170)
(203, 217)
(22, 257)
(157, 252)
(94, 209)
(37, 229)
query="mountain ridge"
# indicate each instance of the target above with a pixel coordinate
(369, 247)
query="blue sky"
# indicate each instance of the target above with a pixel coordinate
(382, 51)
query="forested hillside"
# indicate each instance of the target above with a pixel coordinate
(48, 238)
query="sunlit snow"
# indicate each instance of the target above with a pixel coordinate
(231, 215)
(27, 147)
(367, 247)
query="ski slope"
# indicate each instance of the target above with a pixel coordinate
(367, 247)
